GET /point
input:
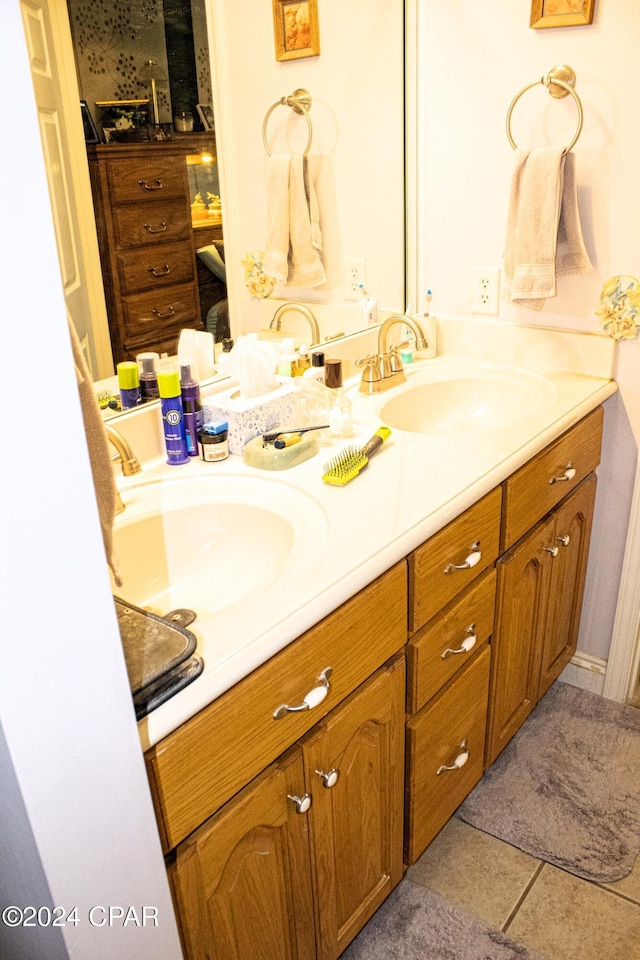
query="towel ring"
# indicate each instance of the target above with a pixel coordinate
(560, 82)
(300, 102)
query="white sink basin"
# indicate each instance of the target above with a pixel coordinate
(466, 398)
(207, 543)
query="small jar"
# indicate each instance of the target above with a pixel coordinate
(183, 122)
(213, 441)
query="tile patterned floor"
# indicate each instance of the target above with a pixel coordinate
(560, 916)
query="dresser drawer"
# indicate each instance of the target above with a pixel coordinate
(146, 178)
(449, 641)
(148, 313)
(443, 731)
(433, 581)
(142, 223)
(201, 765)
(531, 492)
(159, 265)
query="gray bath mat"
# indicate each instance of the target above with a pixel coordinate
(566, 789)
(415, 924)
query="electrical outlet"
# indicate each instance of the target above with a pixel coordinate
(486, 290)
(354, 274)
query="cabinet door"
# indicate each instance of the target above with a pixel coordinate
(523, 587)
(357, 822)
(572, 535)
(241, 882)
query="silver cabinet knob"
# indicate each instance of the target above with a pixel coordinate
(554, 551)
(302, 803)
(329, 779)
(564, 540)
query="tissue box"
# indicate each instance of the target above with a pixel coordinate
(249, 418)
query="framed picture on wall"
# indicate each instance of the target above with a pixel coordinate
(91, 134)
(205, 112)
(561, 13)
(296, 30)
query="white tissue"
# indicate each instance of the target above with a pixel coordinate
(197, 346)
(252, 363)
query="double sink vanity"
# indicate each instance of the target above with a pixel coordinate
(370, 649)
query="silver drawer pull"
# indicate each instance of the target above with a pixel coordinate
(329, 779)
(312, 699)
(160, 273)
(154, 185)
(467, 644)
(161, 228)
(568, 474)
(471, 560)
(565, 541)
(302, 803)
(163, 316)
(459, 761)
(554, 551)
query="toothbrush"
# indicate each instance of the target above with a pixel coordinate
(348, 464)
(276, 434)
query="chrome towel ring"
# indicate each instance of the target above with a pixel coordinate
(300, 102)
(560, 82)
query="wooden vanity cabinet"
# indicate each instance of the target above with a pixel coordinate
(272, 877)
(448, 667)
(541, 577)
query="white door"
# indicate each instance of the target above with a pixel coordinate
(50, 49)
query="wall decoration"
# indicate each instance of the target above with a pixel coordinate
(91, 134)
(560, 13)
(619, 309)
(296, 29)
(205, 112)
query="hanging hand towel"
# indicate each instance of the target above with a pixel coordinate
(305, 265)
(544, 239)
(276, 256)
(571, 254)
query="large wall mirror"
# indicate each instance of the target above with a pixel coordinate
(161, 52)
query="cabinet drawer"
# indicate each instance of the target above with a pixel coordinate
(142, 223)
(156, 266)
(200, 766)
(432, 579)
(146, 314)
(531, 492)
(435, 738)
(146, 178)
(436, 653)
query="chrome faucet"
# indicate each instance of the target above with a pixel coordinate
(383, 370)
(125, 456)
(276, 320)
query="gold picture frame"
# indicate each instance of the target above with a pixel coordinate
(561, 13)
(296, 30)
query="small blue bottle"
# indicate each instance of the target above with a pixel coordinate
(172, 417)
(192, 406)
(128, 384)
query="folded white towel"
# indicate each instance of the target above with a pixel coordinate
(294, 239)
(544, 236)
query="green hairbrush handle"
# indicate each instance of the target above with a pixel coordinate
(370, 447)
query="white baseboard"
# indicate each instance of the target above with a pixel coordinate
(586, 672)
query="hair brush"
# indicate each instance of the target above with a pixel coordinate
(349, 462)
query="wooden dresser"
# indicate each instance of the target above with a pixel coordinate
(147, 241)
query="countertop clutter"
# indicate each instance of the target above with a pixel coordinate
(334, 540)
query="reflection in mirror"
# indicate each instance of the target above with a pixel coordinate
(356, 161)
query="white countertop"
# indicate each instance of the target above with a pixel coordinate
(414, 485)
